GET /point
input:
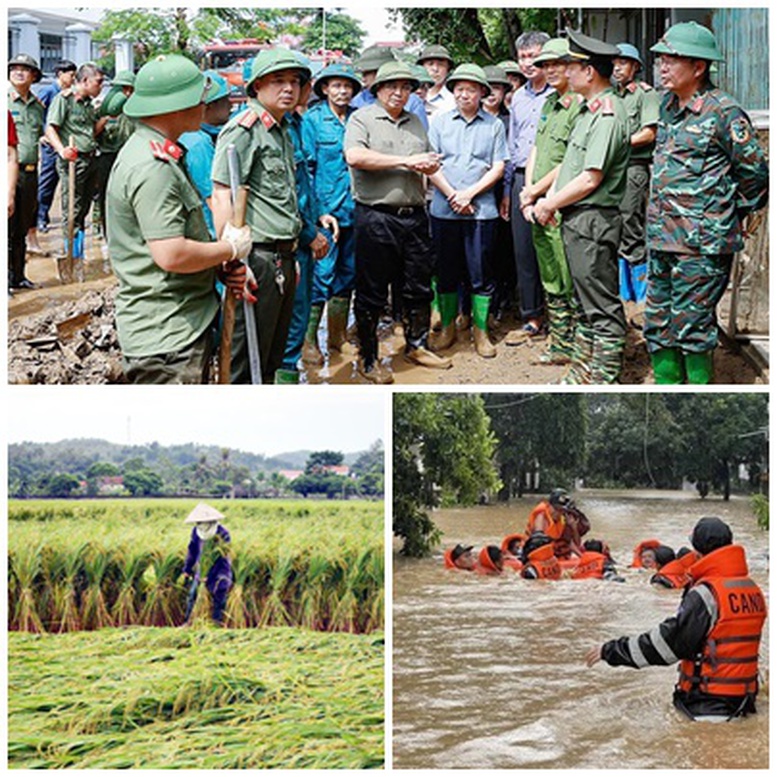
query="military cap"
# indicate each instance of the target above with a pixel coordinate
(372, 58)
(219, 87)
(422, 74)
(553, 49)
(434, 52)
(27, 61)
(336, 70)
(627, 51)
(124, 78)
(275, 60)
(114, 102)
(584, 47)
(496, 75)
(65, 66)
(468, 71)
(167, 83)
(510, 66)
(393, 71)
(689, 39)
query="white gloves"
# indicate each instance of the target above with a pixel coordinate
(239, 238)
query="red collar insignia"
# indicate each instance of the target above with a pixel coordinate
(166, 151)
(268, 120)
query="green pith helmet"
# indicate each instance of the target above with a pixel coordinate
(434, 52)
(689, 39)
(114, 102)
(336, 70)
(27, 61)
(275, 60)
(372, 58)
(627, 51)
(497, 75)
(422, 74)
(166, 84)
(510, 66)
(393, 71)
(124, 78)
(468, 72)
(553, 49)
(218, 87)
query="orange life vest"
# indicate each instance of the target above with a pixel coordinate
(485, 565)
(509, 538)
(545, 563)
(677, 572)
(728, 663)
(644, 545)
(557, 529)
(512, 561)
(447, 559)
(589, 565)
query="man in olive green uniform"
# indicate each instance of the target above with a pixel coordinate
(73, 114)
(28, 112)
(641, 102)
(559, 114)
(709, 174)
(266, 164)
(389, 153)
(162, 254)
(587, 193)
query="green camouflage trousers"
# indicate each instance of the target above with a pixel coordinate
(682, 296)
(596, 358)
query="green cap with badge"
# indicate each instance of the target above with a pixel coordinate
(167, 83)
(583, 48)
(275, 60)
(689, 39)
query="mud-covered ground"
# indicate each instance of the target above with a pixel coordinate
(64, 333)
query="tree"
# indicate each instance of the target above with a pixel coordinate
(143, 482)
(343, 33)
(443, 447)
(63, 484)
(319, 460)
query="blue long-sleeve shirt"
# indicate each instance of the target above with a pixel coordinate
(309, 209)
(220, 570)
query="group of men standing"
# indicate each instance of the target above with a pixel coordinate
(377, 190)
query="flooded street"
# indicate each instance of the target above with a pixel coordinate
(489, 672)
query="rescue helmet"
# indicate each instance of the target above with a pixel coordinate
(219, 87)
(468, 71)
(393, 71)
(710, 534)
(664, 554)
(29, 62)
(167, 83)
(689, 39)
(275, 60)
(628, 51)
(337, 70)
(434, 52)
(559, 497)
(124, 78)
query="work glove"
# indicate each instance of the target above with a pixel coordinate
(70, 153)
(239, 238)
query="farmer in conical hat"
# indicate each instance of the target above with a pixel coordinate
(209, 554)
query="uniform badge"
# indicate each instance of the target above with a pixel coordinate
(248, 119)
(166, 151)
(267, 120)
(632, 87)
(608, 109)
(740, 131)
(595, 105)
(646, 86)
(697, 104)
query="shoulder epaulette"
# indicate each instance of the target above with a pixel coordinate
(608, 109)
(248, 119)
(697, 104)
(646, 86)
(571, 97)
(166, 151)
(66, 92)
(631, 87)
(267, 119)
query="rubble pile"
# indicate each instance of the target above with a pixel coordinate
(72, 343)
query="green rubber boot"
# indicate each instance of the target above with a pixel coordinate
(667, 366)
(337, 322)
(435, 320)
(699, 367)
(448, 305)
(284, 377)
(483, 345)
(311, 353)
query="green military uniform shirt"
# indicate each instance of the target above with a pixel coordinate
(266, 159)
(76, 117)
(150, 197)
(116, 133)
(642, 105)
(373, 128)
(28, 116)
(709, 172)
(599, 141)
(559, 113)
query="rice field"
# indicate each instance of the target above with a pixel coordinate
(199, 697)
(78, 565)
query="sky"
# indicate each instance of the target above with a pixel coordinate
(263, 420)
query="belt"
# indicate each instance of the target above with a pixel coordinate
(30, 168)
(521, 170)
(279, 246)
(398, 210)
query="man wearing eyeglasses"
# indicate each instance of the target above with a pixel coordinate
(388, 152)
(73, 114)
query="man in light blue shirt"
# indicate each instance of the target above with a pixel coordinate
(464, 209)
(525, 109)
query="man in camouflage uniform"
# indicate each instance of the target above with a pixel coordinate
(559, 114)
(588, 192)
(709, 173)
(27, 111)
(641, 102)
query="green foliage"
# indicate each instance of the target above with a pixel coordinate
(441, 442)
(761, 509)
(319, 459)
(343, 33)
(143, 482)
(63, 484)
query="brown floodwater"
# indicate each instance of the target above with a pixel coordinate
(489, 673)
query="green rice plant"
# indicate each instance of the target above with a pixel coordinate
(97, 564)
(130, 568)
(25, 568)
(345, 613)
(314, 605)
(162, 606)
(275, 612)
(66, 579)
